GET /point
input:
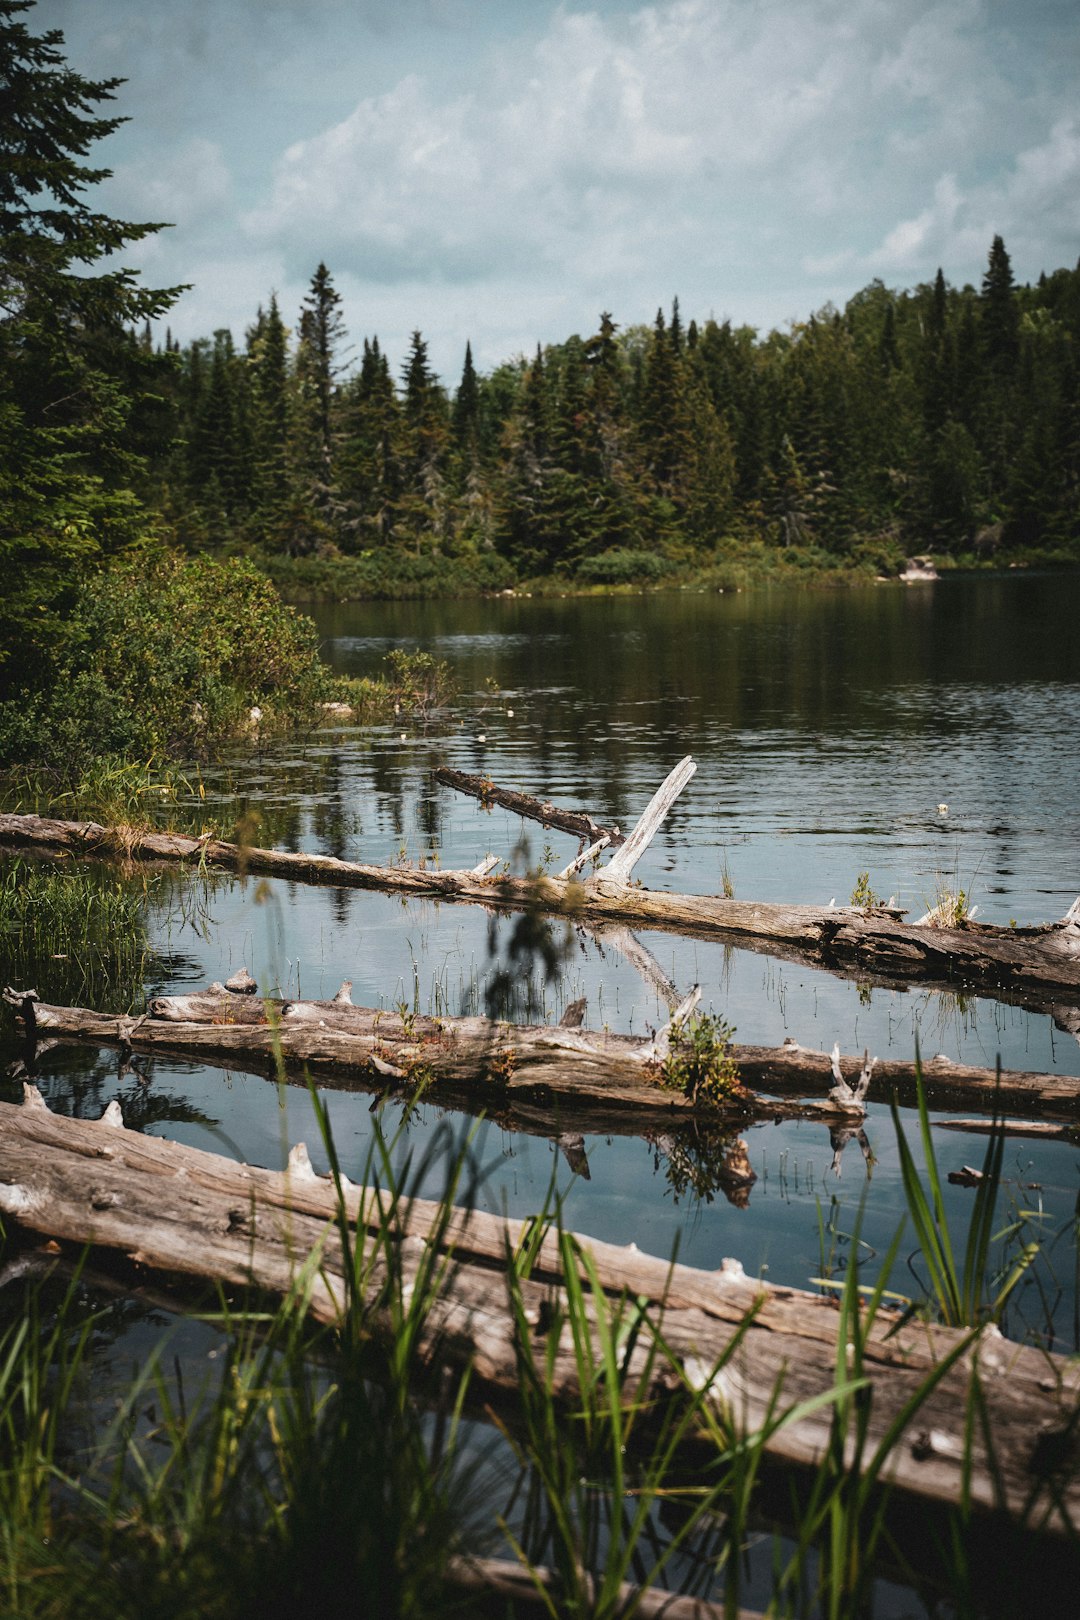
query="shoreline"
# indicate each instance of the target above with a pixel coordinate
(337, 580)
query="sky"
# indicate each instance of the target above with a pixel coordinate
(501, 171)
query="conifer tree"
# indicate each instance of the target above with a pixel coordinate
(467, 404)
(72, 383)
(999, 323)
(268, 359)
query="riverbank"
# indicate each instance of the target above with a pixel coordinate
(375, 576)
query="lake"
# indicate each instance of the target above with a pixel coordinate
(926, 735)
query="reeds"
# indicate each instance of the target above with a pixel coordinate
(72, 932)
(318, 1468)
(972, 1291)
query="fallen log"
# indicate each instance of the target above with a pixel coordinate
(535, 1073)
(1036, 967)
(1038, 1129)
(547, 814)
(178, 1210)
(502, 1588)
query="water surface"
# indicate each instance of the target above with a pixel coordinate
(829, 730)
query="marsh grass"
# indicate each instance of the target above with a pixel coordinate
(73, 933)
(321, 1467)
(958, 1291)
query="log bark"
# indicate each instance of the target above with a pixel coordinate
(1043, 1130)
(176, 1209)
(530, 1074)
(495, 1583)
(1036, 967)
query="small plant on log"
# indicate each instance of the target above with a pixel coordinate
(863, 895)
(951, 908)
(699, 1061)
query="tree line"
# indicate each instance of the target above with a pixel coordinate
(940, 417)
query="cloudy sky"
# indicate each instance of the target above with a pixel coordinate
(502, 170)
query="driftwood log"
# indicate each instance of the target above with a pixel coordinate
(532, 1076)
(1036, 967)
(547, 814)
(176, 1209)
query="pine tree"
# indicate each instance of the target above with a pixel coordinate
(268, 360)
(675, 329)
(467, 404)
(999, 323)
(422, 515)
(72, 383)
(322, 331)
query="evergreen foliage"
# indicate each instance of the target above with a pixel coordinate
(937, 418)
(81, 399)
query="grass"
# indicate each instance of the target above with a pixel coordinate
(957, 1292)
(317, 1462)
(73, 934)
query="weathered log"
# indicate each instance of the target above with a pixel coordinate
(540, 1072)
(526, 1590)
(1042, 1129)
(176, 1209)
(1036, 967)
(622, 863)
(547, 814)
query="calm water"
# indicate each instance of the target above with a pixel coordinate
(827, 730)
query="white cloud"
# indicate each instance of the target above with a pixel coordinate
(1035, 206)
(611, 132)
(911, 243)
(506, 172)
(185, 188)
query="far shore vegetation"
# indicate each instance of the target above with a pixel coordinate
(157, 499)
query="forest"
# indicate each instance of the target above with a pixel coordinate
(939, 418)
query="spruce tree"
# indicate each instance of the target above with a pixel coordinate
(268, 360)
(467, 404)
(322, 331)
(72, 383)
(999, 322)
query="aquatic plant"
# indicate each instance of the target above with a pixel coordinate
(73, 933)
(966, 1293)
(699, 1063)
(863, 895)
(419, 682)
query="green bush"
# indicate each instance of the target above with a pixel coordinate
(387, 576)
(169, 656)
(622, 567)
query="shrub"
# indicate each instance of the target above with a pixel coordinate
(622, 567)
(169, 656)
(699, 1061)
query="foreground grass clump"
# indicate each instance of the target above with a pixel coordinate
(167, 656)
(316, 1462)
(74, 935)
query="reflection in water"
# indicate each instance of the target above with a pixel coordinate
(702, 1160)
(839, 1137)
(84, 1092)
(827, 728)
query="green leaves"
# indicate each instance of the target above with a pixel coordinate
(76, 394)
(960, 1295)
